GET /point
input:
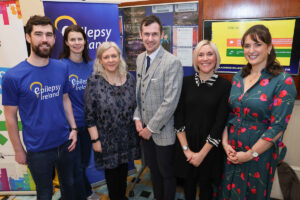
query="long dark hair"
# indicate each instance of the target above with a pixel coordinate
(66, 49)
(263, 33)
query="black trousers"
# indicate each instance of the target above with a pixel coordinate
(160, 160)
(116, 180)
(190, 189)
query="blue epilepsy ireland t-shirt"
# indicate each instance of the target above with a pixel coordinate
(78, 75)
(38, 92)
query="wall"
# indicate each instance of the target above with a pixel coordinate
(31, 7)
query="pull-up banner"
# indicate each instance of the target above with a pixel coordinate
(100, 21)
(14, 178)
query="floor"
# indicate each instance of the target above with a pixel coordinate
(142, 191)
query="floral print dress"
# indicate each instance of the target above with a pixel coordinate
(262, 112)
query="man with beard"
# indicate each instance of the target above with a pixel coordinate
(37, 88)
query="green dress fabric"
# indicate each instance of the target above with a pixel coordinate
(262, 112)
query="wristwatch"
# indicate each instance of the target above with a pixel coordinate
(185, 147)
(74, 129)
(253, 153)
(95, 140)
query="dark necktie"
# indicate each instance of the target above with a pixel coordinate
(148, 63)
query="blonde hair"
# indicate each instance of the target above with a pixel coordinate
(98, 67)
(197, 49)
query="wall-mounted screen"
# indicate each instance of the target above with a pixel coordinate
(227, 34)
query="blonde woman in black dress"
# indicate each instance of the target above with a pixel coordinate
(199, 121)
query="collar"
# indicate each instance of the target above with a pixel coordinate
(153, 54)
(210, 82)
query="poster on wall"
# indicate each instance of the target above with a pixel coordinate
(227, 36)
(180, 21)
(14, 178)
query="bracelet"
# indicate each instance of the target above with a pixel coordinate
(94, 141)
(74, 129)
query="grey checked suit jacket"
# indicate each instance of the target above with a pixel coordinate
(157, 93)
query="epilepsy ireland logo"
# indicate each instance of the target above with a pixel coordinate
(77, 83)
(44, 92)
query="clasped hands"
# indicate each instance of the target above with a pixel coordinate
(235, 157)
(193, 158)
(143, 132)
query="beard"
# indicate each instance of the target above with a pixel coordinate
(44, 53)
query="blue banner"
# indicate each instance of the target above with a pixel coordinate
(100, 21)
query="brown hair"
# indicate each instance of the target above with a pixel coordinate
(36, 20)
(262, 32)
(150, 20)
(66, 49)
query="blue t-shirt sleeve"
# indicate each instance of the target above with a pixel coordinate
(10, 94)
(67, 85)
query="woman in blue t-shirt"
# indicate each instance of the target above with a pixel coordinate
(75, 55)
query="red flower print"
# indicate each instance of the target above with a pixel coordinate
(246, 111)
(228, 162)
(272, 119)
(233, 82)
(248, 183)
(232, 186)
(253, 127)
(238, 109)
(243, 176)
(270, 106)
(253, 191)
(271, 170)
(263, 97)
(287, 118)
(247, 147)
(288, 81)
(264, 82)
(268, 139)
(256, 175)
(240, 97)
(240, 144)
(214, 194)
(274, 156)
(277, 101)
(268, 165)
(281, 144)
(239, 190)
(239, 84)
(254, 114)
(256, 159)
(243, 130)
(272, 179)
(232, 142)
(231, 129)
(282, 93)
(265, 193)
(229, 186)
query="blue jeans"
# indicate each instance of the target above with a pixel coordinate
(84, 146)
(41, 167)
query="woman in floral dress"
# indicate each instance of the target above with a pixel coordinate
(261, 101)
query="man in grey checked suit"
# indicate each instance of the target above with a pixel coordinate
(159, 81)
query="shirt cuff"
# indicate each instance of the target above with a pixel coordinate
(136, 118)
(150, 129)
(213, 141)
(181, 129)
